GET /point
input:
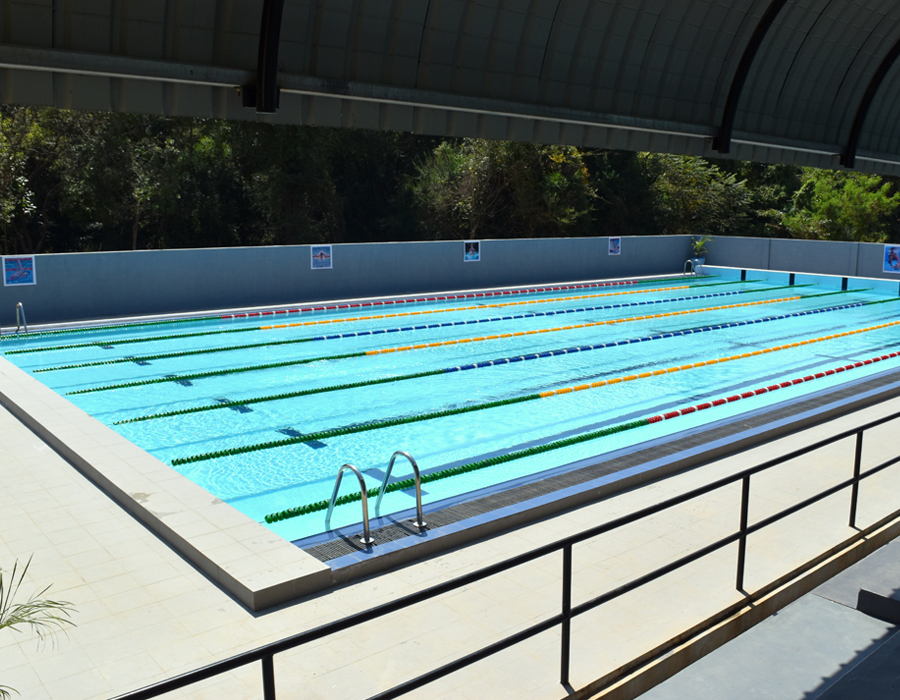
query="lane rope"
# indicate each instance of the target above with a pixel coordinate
(308, 309)
(150, 339)
(471, 295)
(289, 363)
(478, 307)
(476, 365)
(428, 477)
(392, 422)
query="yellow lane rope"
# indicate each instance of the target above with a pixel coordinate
(580, 325)
(694, 365)
(476, 306)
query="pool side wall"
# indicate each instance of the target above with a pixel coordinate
(81, 286)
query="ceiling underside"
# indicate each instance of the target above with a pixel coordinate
(808, 82)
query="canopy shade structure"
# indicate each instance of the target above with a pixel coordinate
(806, 82)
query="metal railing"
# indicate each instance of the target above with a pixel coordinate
(265, 654)
(20, 318)
(366, 538)
(419, 522)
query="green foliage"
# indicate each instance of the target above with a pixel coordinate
(474, 188)
(41, 615)
(695, 197)
(625, 203)
(698, 245)
(74, 181)
(839, 206)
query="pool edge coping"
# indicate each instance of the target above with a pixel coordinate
(257, 567)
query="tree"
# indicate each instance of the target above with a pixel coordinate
(42, 615)
(31, 142)
(695, 197)
(474, 188)
(839, 206)
(626, 201)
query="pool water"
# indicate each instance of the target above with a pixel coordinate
(455, 382)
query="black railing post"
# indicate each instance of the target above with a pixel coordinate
(854, 490)
(742, 543)
(567, 614)
(268, 669)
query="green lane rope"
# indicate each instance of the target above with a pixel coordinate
(350, 430)
(99, 329)
(196, 375)
(404, 484)
(454, 471)
(183, 353)
(392, 422)
(277, 365)
(279, 397)
(373, 382)
(146, 339)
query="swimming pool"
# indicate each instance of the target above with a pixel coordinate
(480, 389)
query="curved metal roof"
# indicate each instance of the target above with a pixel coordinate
(811, 82)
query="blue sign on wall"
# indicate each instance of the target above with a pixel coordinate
(18, 270)
(891, 259)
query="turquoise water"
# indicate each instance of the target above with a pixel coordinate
(267, 480)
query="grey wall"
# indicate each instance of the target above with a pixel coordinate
(846, 259)
(76, 286)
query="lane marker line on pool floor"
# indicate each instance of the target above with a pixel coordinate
(393, 422)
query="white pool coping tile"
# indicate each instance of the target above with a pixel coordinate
(255, 566)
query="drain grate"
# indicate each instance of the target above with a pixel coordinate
(328, 551)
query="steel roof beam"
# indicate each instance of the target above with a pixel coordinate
(722, 140)
(267, 66)
(848, 157)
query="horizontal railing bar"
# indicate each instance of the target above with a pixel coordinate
(189, 678)
(469, 659)
(782, 514)
(884, 465)
(655, 574)
(327, 629)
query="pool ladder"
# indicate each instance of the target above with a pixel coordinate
(20, 318)
(690, 262)
(366, 538)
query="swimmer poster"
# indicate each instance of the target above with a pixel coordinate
(615, 246)
(892, 259)
(320, 257)
(472, 251)
(18, 270)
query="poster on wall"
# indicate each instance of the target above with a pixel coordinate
(892, 259)
(18, 270)
(615, 246)
(472, 251)
(320, 257)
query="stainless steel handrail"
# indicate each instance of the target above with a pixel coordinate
(687, 262)
(365, 539)
(419, 522)
(20, 318)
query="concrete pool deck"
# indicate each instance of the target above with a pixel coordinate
(145, 613)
